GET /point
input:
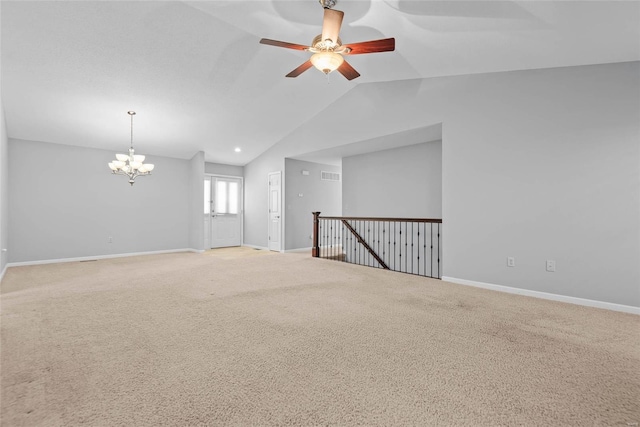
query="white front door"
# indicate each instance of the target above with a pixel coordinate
(208, 205)
(225, 214)
(275, 211)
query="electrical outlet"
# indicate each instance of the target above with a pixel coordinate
(511, 261)
(110, 239)
(551, 265)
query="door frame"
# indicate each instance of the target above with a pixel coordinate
(213, 175)
(281, 209)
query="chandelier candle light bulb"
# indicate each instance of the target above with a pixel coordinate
(130, 165)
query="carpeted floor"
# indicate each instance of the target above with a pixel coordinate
(223, 338)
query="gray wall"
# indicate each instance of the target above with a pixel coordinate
(317, 196)
(401, 182)
(256, 205)
(65, 203)
(4, 191)
(196, 199)
(538, 164)
(220, 169)
(544, 165)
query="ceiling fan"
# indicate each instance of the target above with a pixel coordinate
(328, 50)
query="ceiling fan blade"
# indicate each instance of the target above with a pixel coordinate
(373, 46)
(283, 44)
(331, 24)
(301, 69)
(348, 71)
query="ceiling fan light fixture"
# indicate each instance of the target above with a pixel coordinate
(327, 61)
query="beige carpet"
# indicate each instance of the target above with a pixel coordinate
(224, 339)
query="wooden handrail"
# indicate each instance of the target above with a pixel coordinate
(362, 218)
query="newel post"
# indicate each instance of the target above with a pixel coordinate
(315, 250)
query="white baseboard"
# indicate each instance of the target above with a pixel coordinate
(545, 295)
(97, 257)
(299, 250)
(255, 247)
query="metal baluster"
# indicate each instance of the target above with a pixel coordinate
(418, 260)
(438, 250)
(329, 233)
(326, 239)
(320, 233)
(384, 241)
(322, 225)
(338, 242)
(330, 239)
(359, 230)
(369, 240)
(412, 249)
(347, 245)
(349, 242)
(360, 248)
(394, 246)
(424, 255)
(400, 246)
(341, 241)
(355, 246)
(363, 255)
(431, 272)
(335, 239)
(367, 255)
(406, 247)
(378, 234)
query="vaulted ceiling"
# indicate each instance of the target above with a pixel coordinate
(199, 80)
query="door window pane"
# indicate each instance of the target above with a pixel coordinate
(221, 197)
(233, 197)
(207, 196)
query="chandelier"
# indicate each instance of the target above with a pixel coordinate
(130, 164)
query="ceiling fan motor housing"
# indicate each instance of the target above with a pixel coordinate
(327, 4)
(322, 45)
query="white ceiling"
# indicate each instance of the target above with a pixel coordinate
(199, 80)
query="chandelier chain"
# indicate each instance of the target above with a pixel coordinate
(131, 114)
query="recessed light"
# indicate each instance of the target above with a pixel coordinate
(237, 150)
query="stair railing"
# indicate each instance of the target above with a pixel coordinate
(407, 245)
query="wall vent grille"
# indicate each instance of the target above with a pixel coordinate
(330, 176)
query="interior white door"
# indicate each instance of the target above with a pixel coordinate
(226, 212)
(275, 211)
(207, 212)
